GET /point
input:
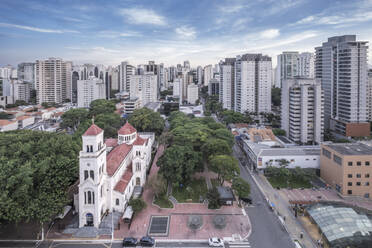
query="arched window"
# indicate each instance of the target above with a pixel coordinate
(138, 166)
(89, 197)
(86, 175)
(117, 202)
(91, 174)
(91, 148)
(87, 148)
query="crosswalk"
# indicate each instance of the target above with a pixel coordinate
(238, 245)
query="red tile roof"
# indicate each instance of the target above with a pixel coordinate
(23, 117)
(6, 122)
(139, 141)
(116, 156)
(124, 180)
(127, 129)
(92, 130)
(111, 142)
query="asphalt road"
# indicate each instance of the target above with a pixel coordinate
(266, 228)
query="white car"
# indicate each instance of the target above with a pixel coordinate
(215, 242)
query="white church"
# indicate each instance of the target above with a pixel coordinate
(110, 170)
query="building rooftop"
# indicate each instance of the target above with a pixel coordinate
(122, 184)
(92, 130)
(127, 129)
(351, 148)
(297, 151)
(116, 156)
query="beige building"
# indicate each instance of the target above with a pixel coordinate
(53, 80)
(347, 167)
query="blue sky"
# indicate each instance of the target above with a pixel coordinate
(171, 31)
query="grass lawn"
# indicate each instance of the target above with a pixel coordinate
(198, 187)
(163, 202)
(281, 182)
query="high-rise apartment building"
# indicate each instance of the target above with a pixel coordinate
(26, 73)
(186, 64)
(89, 90)
(208, 74)
(126, 70)
(252, 87)
(144, 87)
(192, 93)
(178, 88)
(227, 83)
(199, 73)
(21, 90)
(341, 64)
(294, 64)
(53, 80)
(369, 95)
(302, 115)
(214, 87)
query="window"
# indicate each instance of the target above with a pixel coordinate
(117, 202)
(138, 166)
(367, 175)
(91, 174)
(89, 197)
(138, 153)
(359, 163)
(86, 175)
(366, 195)
(358, 183)
(349, 192)
(367, 163)
(337, 159)
(358, 176)
(349, 184)
(366, 184)
(87, 148)
(350, 175)
(350, 163)
(326, 153)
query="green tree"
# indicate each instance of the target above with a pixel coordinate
(225, 166)
(35, 174)
(146, 120)
(110, 123)
(5, 116)
(215, 147)
(278, 132)
(179, 163)
(101, 106)
(213, 198)
(224, 134)
(137, 204)
(241, 187)
(73, 118)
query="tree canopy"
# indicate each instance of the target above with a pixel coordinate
(101, 106)
(230, 116)
(241, 187)
(36, 169)
(225, 166)
(73, 118)
(146, 120)
(179, 163)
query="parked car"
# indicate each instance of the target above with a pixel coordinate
(129, 242)
(147, 241)
(246, 200)
(215, 242)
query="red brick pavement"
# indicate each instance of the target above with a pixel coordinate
(236, 223)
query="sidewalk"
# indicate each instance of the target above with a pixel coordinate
(293, 225)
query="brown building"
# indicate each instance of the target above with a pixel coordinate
(347, 167)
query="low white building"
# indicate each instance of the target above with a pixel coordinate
(192, 93)
(6, 125)
(90, 90)
(25, 120)
(110, 171)
(129, 105)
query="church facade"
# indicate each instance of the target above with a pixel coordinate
(109, 171)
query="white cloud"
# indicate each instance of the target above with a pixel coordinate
(323, 19)
(240, 22)
(269, 33)
(278, 6)
(35, 29)
(143, 16)
(186, 32)
(114, 34)
(231, 8)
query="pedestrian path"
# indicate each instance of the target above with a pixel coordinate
(238, 245)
